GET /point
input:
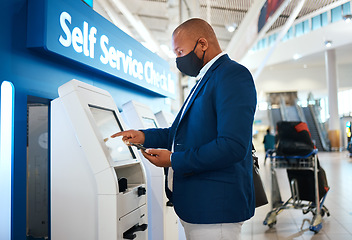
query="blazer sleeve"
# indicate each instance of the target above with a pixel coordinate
(156, 138)
(234, 97)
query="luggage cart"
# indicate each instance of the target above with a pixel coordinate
(316, 207)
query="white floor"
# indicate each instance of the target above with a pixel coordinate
(292, 223)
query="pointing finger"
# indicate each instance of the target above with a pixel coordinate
(117, 134)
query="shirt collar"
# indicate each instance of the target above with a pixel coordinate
(206, 67)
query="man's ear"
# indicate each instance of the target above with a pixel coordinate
(203, 43)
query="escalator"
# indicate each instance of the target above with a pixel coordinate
(275, 116)
(292, 114)
(313, 128)
(285, 108)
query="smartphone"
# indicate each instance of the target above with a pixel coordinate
(138, 146)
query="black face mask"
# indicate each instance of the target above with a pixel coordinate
(190, 64)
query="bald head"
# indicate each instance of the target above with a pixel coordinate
(186, 35)
(196, 28)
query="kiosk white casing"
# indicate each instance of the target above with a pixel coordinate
(140, 116)
(165, 119)
(86, 202)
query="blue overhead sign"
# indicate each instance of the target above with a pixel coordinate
(75, 31)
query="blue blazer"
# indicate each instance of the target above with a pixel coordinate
(212, 159)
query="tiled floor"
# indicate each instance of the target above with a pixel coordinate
(291, 223)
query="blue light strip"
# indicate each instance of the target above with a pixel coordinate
(89, 2)
(6, 155)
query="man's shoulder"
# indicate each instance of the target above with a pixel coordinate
(227, 63)
(230, 67)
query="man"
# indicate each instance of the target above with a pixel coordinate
(269, 144)
(208, 147)
(269, 141)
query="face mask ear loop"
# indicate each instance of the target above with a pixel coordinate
(195, 49)
(195, 45)
(203, 57)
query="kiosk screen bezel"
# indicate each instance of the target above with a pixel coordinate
(119, 126)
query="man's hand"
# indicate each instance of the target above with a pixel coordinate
(132, 136)
(158, 157)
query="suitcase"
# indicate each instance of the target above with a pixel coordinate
(293, 139)
(305, 182)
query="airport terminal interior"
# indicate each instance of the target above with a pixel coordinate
(74, 72)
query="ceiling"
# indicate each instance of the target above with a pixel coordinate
(152, 22)
(160, 17)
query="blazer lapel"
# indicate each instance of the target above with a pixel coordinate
(194, 96)
(177, 119)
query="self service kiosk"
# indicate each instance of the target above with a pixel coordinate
(165, 119)
(140, 116)
(98, 184)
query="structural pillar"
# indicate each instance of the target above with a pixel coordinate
(331, 77)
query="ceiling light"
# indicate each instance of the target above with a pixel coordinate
(231, 27)
(296, 56)
(328, 43)
(347, 18)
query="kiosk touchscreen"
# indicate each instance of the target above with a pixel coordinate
(98, 184)
(108, 124)
(140, 116)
